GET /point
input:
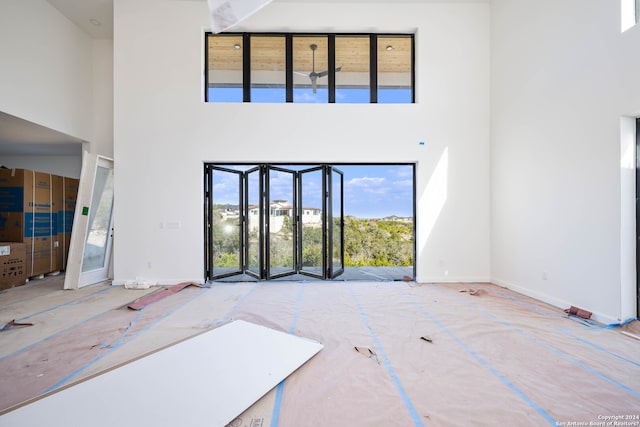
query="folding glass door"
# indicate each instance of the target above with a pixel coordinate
(270, 221)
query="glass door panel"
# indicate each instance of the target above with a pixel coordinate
(336, 223)
(91, 237)
(280, 222)
(267, 221)
(254, 217)
(95, 250)
(226, 222)
(311, 222)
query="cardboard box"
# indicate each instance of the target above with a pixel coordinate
(57, 210)
(13, 264)
(70, 195)
(66, 211)
(27, 215)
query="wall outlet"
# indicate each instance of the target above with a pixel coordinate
(173, 225)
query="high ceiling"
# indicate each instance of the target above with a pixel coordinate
(268, 53)
(95, 17)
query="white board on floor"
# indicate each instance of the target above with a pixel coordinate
(207, 380)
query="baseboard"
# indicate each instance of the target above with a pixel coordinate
(163, 282)
(452, 279)
(556, 302)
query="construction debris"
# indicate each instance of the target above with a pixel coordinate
(368, 352)
(630, 335)
(14, 324)
(141, 303)
(138, 284)
(474, 292)
(578, 312)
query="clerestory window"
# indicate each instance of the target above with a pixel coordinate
(310, 68)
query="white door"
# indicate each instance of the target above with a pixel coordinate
(92, 233)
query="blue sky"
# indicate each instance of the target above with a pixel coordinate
(378, 191)
(304, 95)
(370, 191)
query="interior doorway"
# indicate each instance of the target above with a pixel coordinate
(269, 221)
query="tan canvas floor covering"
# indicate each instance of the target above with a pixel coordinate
(395, 353)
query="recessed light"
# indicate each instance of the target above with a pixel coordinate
(95, 22)
(389, 47)
(237, 46)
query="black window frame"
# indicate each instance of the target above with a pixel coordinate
(373, 62)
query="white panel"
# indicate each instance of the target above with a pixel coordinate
(206, 380)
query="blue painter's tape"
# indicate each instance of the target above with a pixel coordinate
(82, 368)
(55, 307)
(387, 363)
(275, 418)
(483, 362)
(597, 347)
(548, 347)
(226, 316)
(121, 341)
(564, 331)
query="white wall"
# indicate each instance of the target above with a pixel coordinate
(163, 131)
(45, 71)
(562, 78)
(102, 100)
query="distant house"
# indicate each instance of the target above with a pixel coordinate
(278, 210)
(230, 214)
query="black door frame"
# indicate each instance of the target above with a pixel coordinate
(264, 240)
(208, 267)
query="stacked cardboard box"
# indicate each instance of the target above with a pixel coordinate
(13, 268)
(33, 210)
(65, 218)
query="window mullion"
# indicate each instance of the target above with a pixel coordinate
(289, 67)
(332, 67)
(413, 69)
(373, 67)
(246, 67)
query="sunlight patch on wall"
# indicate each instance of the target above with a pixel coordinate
(628, 14)
(433, 199)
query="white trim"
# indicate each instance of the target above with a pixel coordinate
(452, 279)
(557, 302)
(628, 279)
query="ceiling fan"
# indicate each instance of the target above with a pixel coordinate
(313, 76)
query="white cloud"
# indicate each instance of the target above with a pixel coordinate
(405, 183)
(403, 171)
(365, 181)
